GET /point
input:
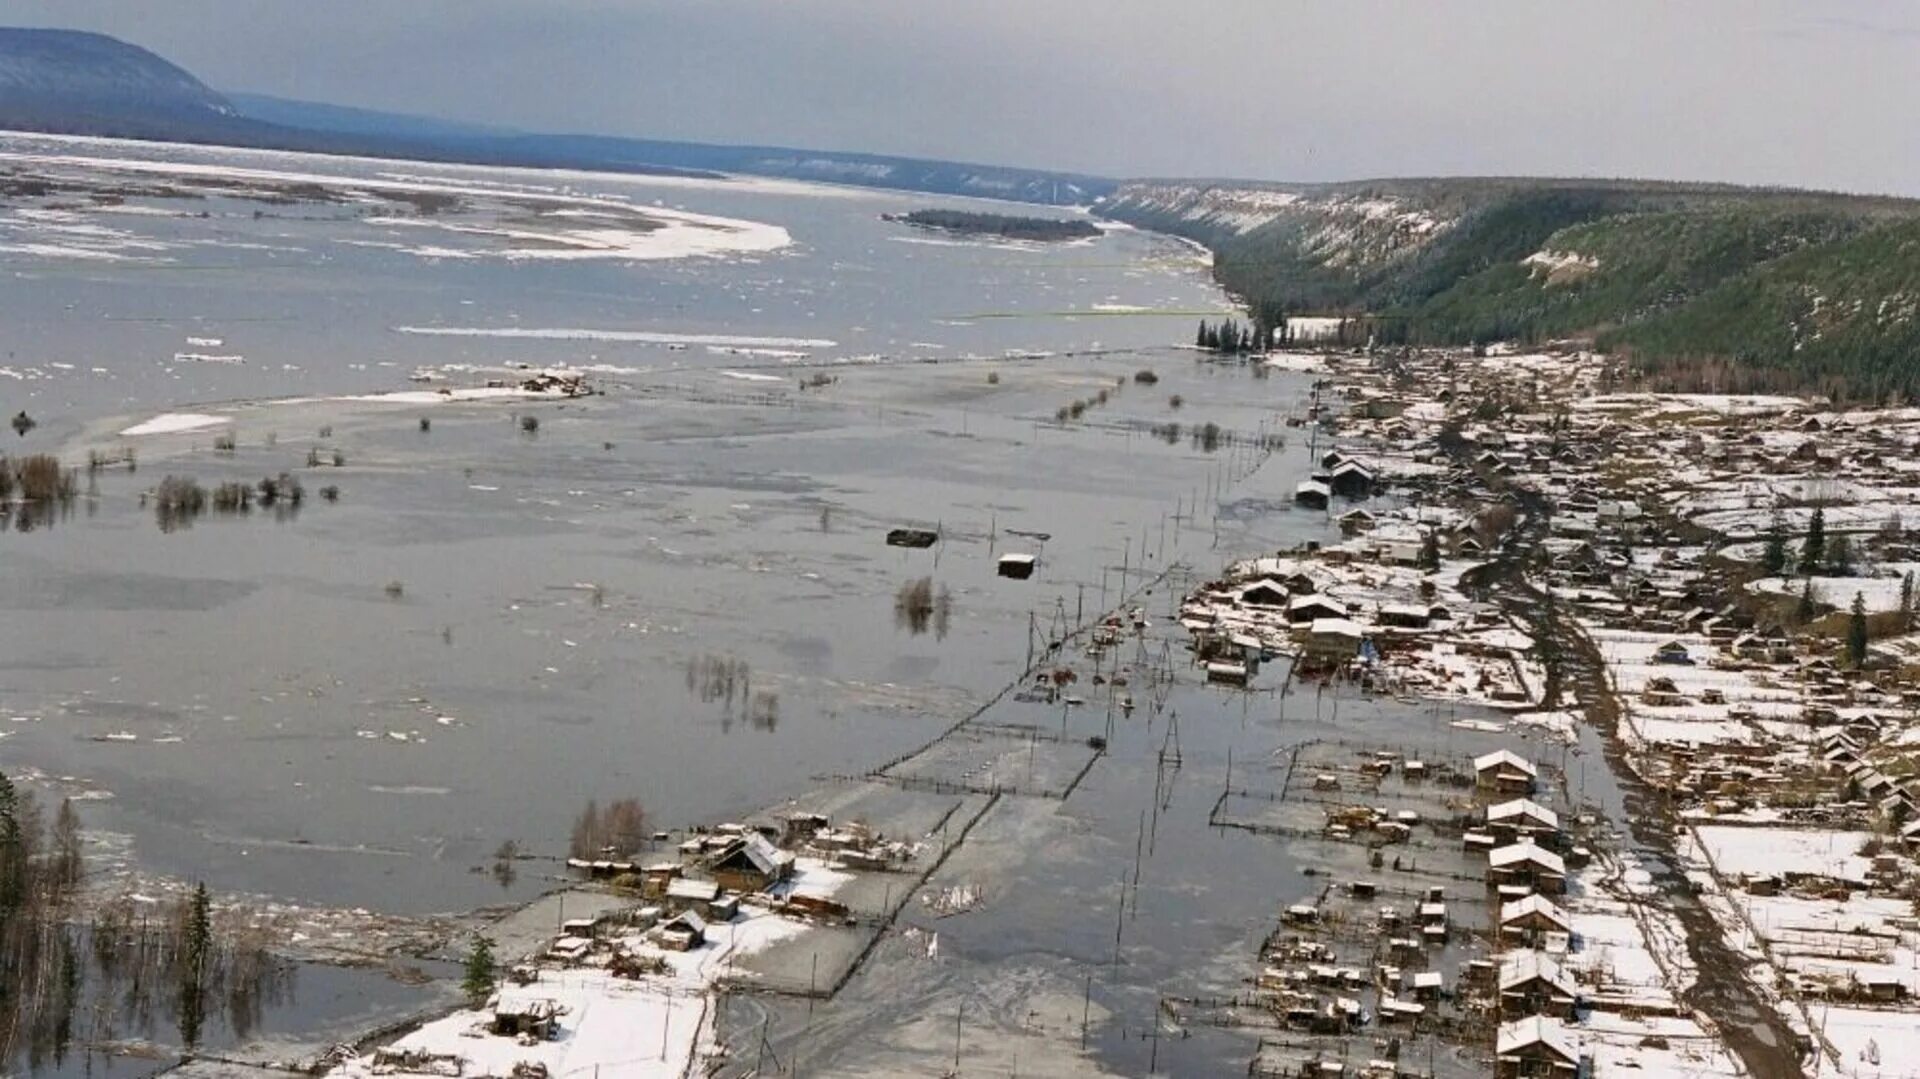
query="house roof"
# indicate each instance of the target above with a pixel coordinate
(1523, 807)
(1302, 603)
(1519, 968)
(690, 920)
(1528, 1033)
(1517, 853)
(689, 888)
(756, 852)
(1506, 757)
(1335, 627)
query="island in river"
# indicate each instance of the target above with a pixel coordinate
(1003, 226)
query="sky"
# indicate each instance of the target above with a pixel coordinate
(1813, 93)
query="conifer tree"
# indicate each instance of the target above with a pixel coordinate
(1774, 559)
(481, 972)
(1814, 550)
(1857, 631)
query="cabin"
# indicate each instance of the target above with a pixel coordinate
(1534, 1048)
(1018, 567)
(1351, 479)
(1333, 640)
(1529, 919)
(912, 537)
(1529, 865)
(1312, 494)
(521, 1012)
(688, 894)
(1531, 983)
(1313, 608)
(685, 932)
(1505, 771)
(753, 865)
(1674, 653)
(1265, 592)
(1356, 521)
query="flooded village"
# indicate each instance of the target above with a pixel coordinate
(943, 709)
(1540, 762)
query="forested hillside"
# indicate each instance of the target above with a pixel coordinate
(1703, 286)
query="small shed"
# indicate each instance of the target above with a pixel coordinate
(1018, 566)
(685, 932)
(518, 1012)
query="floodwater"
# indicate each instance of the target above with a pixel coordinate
(357, 703)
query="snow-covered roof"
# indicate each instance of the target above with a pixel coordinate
(1519, 968)
(1507, 757)
(1335, 627)
(1524, 1033)
(1517, 853)
(1523, 807)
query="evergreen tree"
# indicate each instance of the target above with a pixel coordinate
(1805, 610)
(1814, 550)
(1857, 631)
(1200, 338)
(1774, 559)
(1840, 557)
(199, 939)
(13, 860)
(481, 973)
(1906, 601)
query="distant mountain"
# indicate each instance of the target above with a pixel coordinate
(64, 80)
(69, 82)
(339, 119)
(1705, 286)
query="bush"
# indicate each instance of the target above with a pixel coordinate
(395, 589)
(1176, 401)
(41, 479)
(425, 424)
(530, 424)
(330, 492)
(225, 443)
(993, 378)
(1145, 377)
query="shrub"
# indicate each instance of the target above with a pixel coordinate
(395, 589)
(1176, 401)
(330, 492)
(225, 443)
(993, 378)
(425, 424)
(530, 424)
(1145, 377)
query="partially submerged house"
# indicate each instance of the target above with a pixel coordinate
(1527, 865)
(1505, 771)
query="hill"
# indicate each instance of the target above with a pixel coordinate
(1704, 286)
(69, 82)
(90, 83)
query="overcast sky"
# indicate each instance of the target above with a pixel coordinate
(1821, 93)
